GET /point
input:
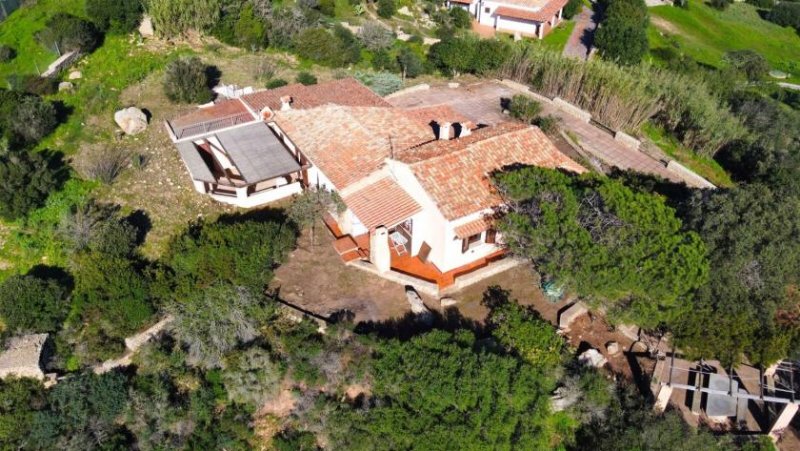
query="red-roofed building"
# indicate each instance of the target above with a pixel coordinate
(531, 18)
(415, 182)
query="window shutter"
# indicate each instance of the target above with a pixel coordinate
(464, 245)
(491, 236)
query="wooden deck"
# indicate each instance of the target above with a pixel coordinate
(353, 248)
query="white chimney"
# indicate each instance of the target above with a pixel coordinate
(286, 103)
(465, 130)
(444, 130)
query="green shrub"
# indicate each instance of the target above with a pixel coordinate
(291, 440)
(249, 30)
(186, 81)
(572, 8)
(524, 108)
(276, 83)
(460, 18)
(786, 14)
(115, 16)
(28, 178)
(321, 46)
(386, 8)
(33, 119)
(7, 53)
(29, 304)
(33, 84)
(410, 63)
(243, 253)
(762, 4)
(65, 32)
(550, 125)
(306, 78)
(622, 35)
(383, 83)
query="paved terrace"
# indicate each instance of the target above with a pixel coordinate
(480, 102)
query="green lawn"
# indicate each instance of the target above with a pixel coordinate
(558, 38)
(19, 31)
(705, 34)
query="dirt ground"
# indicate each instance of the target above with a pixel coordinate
(315, 279)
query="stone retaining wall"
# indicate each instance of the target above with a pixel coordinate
(569, 108)
(627, 140)
(687, 173)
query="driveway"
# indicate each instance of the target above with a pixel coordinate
(580, 41)
(480, 102)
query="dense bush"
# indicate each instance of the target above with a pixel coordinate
(383, 83)
(7, 53)
(29, 304)
(459, 55)
(375, 36)
(33, 84)
(306, 78)
(213, 321)
(323, 47)
(276, 83)
(572, 8)
(65, 32)
(622, 34)
(386, 8)
(749, 232)
(115, 16)
(410, 63)
(762, 4)
(242, 253)
(32, 119)
(28, 178)
(186, 80)
(460, 18)
(623, 99)
(622, 248)
(351, 45)
(524, 108)
(786, 14)
(172, 18)
(749, 63)
(447, 391)
(249, 29)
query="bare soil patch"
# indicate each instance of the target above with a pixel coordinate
(664, 25)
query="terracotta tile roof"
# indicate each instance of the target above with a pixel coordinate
(543, 15)
(349, 143)
(346, 92)
(381, 203)
(532, 4)
(474, 227)
(458, 179)
(203, 120)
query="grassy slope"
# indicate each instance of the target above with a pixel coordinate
(706, 167)
(705, 34)
(19, 31)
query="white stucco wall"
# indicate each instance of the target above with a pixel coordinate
(262, 198)
(429, 224)
(514, 25)
(453, 255)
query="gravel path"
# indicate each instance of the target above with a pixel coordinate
(579, 44)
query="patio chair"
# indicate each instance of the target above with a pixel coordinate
(399, 242)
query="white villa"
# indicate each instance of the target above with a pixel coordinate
(415, 181)
(531, 18)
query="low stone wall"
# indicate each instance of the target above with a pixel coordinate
(569, 108)
(627, 140)
(476, 276)
(135, 342)
(61, 63)
(689, 175)
(521, 87)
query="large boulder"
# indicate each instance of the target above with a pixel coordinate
(146, 27)
(65, 86)
(131, 120)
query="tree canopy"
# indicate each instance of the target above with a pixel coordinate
(610, 243)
